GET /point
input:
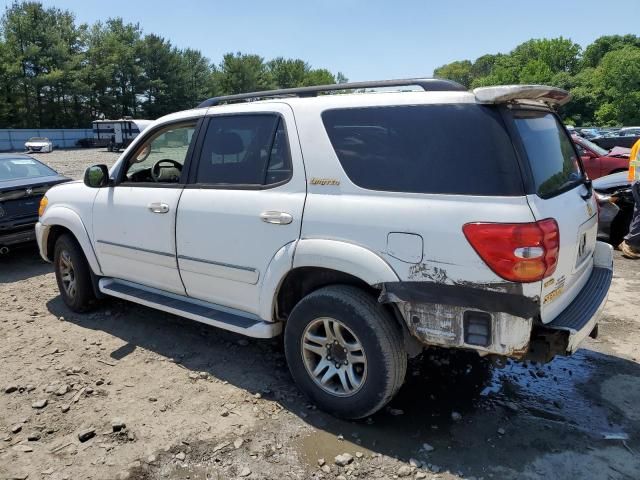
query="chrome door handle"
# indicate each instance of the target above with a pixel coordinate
(278, 218)
(158, 207)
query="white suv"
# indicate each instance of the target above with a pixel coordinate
(367, 226)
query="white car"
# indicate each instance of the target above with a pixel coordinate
(365, 227)
(39, 144)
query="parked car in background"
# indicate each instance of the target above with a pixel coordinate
(614, 140)
(23, 182)
(629, 131)
(38, 144)
(615, 204)
(598, 161)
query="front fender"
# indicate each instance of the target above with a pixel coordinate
(58, 215)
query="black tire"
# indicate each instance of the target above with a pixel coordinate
(376, 331)
(82, 297)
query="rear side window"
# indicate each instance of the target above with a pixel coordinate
(245, 150)
(444, 149)
(550, 151)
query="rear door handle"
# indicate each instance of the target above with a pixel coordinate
(277, 218)
(158, 207)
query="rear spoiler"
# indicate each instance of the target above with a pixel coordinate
(513, 93)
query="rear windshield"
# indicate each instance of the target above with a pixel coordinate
(553, 159)
(444, 149)
(19, 168)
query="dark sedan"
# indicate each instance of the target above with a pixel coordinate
(23, 182)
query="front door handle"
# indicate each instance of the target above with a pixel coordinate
(158, 207)
(278, 218)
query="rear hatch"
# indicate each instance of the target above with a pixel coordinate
(556, 186)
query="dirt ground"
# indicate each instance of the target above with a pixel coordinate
(130, 392)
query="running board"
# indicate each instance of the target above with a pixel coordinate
(209, 313)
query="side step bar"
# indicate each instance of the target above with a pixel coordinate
(209, 313)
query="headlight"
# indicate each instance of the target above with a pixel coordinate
(43, 205)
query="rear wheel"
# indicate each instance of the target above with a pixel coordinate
(344, 351)
(73, 274)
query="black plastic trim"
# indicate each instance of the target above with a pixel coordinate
(460, 296)
(138, 249)
(587, 302)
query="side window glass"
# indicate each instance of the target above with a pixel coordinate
(244, 150)
(161, 157)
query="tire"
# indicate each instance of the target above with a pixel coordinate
(71, 268)
(354, 319)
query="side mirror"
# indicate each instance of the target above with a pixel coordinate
(96, 176)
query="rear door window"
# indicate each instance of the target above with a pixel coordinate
(444, 149)
(553, 160)
(245, 150)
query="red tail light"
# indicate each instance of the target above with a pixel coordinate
(518, 252)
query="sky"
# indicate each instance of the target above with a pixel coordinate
(365, 40)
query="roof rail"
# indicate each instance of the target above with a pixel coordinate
(427, 84)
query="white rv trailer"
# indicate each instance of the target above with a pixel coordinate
(117, 134)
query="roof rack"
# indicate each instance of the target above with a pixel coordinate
(427, 84)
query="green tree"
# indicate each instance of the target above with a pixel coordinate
(240, 73)
(617, 78)
(460, 71)
(594, 52)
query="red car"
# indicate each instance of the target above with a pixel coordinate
(598, 161)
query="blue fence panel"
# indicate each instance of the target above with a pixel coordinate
(13, 139)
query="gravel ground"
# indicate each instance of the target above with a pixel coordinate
(130, 392)
(72, 163)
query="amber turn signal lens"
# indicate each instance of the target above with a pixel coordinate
(43, 206)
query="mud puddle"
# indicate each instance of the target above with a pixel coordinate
(460, 401)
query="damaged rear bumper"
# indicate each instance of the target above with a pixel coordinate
(460, 316)
(500, 322)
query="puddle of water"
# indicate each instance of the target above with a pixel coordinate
(440, 385)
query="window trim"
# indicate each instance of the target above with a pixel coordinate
(121, 176)
(193, 172)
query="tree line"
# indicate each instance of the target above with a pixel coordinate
(603, 78)
(55, 73)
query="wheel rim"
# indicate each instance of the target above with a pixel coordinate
(334, 357)
(67, 274)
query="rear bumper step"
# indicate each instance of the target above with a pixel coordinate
(211, 314)
(576, 322)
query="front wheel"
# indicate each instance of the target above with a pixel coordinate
(344, 351)
(73, 274)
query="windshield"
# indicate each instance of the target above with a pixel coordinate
(597, 149)
(550, 151)
(38, 139)
(20, 168)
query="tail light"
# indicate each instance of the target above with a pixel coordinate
(518, 252)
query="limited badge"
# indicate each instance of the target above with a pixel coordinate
(324, 181)
(589, 209)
